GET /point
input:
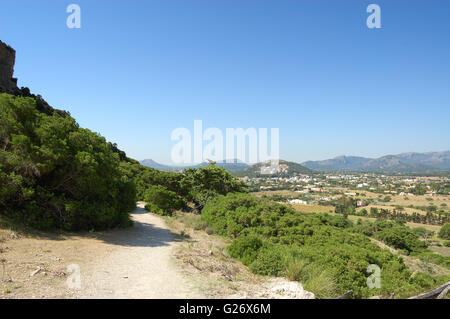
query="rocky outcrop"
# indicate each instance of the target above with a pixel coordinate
(277, 288)
(8, 84)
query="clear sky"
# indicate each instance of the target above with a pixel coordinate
(138, 69)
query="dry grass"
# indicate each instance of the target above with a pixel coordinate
(204, 259)
(434, 228)
(401, 200)
(278, 192)
(24, 253)
(308, 209)
(442, 250)
(391, 207)
(415, 264)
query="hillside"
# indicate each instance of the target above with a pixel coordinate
(53, 173)
(285, 168)
(392, 163)
(436, 160)
(152, 164)
(405, 162)
(340, 163)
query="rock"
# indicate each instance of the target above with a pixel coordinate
(35, 272)
(8, 84)
(280, 288)
(13, 235)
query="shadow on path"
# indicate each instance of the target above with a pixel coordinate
(148, 230)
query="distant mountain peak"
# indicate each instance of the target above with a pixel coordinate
(404, 162)
(285, 168)
(232, 166)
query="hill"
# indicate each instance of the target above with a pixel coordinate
(231, 166)
(151, 163)
(405, 162)
(340, 163)
(392, 163)
(285, 168)
(436, 160)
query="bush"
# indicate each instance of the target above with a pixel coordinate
(400, 237)
(232, 214)
(430, 257)
(245, 248)
(54, 174)
(444, 232)
(162, 201)
(269, 261)
(193, 185)
(327, 253)
(424, 280)
(322, 283)
(297, 270)
(206, 182)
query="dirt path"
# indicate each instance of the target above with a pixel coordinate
(142, 266)
(145, 261)
(415, 264)
(125, 263)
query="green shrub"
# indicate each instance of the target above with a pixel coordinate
(322, 283)
(54, 174)
(431, 257)
(269, 261)
(204, 183)
(400, 237)
(297, 269)
(444, 232)
(162, 201)
(328, 254)
(245, 248)
(423, 280)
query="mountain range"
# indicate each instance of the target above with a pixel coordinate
(232, 166)
(404, 162)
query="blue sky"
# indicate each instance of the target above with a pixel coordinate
(136, 70)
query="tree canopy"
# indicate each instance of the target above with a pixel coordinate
(54, 174)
